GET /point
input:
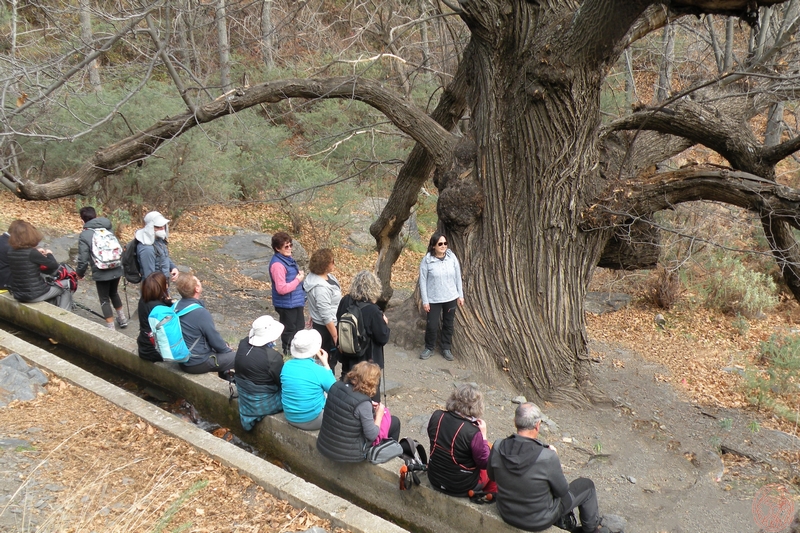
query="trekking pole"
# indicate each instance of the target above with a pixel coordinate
(81, 306)
(125, 290)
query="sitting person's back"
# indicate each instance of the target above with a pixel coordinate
(351, 421)
(304, 382)
(258, 372)
(210, 352)
(533, 493)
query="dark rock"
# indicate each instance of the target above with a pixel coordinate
(16, 362)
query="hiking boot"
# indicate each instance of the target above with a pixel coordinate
(447, 354)
(426, 353)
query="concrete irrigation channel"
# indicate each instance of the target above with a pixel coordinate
(322, 484)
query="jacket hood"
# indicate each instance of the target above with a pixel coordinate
(519, 453)
(97, 223)
(313, 280)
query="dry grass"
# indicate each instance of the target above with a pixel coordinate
(120, 474)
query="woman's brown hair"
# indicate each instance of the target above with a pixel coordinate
(154, 287)
(320, 260)
(22, 234)
(364, 377)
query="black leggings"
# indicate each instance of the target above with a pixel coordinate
(108, 294)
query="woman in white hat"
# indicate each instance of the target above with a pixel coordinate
(257, 370)
(304, 382)
(151, 251)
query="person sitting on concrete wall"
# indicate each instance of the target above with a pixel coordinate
(351, 420)
(210, 353)
(28, 263)
(105, 279)
(257, 370)
(533, 493)
(5, 270)
(304, 382)
(154, 293)
(459, 449)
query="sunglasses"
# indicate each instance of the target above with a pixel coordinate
(441, 243)
(287, 245)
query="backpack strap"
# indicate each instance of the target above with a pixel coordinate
(185, 311)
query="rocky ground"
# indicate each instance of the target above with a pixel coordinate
(675, 450)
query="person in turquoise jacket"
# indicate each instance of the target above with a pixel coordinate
(304, 382)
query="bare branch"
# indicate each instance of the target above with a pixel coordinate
(411, 120)
(665, 190)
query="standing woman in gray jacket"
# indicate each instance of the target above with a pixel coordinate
(324, 294)
(441, 292)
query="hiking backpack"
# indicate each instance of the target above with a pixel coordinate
(64, 277)
(106, 250)
(352, 337)
(130, 263)
(166, 325)
(415, 459)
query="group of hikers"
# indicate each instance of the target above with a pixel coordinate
(520, 473)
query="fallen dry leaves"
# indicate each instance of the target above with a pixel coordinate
(119, 473)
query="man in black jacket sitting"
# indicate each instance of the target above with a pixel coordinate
(533, 493)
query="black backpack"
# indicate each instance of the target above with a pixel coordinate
(130, 263)
(352, 336)
(415, 459)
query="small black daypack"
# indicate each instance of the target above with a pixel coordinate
(415, 459)
(352, 336)
(130, 263)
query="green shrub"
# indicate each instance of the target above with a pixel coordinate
(775, 385)
(733, 288)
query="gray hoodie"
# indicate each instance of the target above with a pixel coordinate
(530, 482)
(323, 298)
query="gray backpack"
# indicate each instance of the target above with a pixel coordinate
(388, 449)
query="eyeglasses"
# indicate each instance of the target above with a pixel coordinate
(444, 243)
(287, 245)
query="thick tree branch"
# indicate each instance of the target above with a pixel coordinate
(411, 120)
(666, 190)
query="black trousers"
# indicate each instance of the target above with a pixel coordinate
(293, 320)
(584, 498)
(446, 312)
(109, 296)
(328, 345)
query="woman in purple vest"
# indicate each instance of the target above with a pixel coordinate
(288, 295)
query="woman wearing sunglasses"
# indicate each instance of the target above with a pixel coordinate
(288, 295)
(441, 292)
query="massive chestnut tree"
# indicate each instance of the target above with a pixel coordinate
(537, 191)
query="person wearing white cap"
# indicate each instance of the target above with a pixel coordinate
(257, 370)
(304, 382)
(152, 252)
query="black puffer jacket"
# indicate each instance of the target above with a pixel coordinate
(85, 252)
(26, 275)
(341, 436)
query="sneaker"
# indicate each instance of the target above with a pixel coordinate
(110, 325)
(448, 355)
(122, 322)
(426, 354)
